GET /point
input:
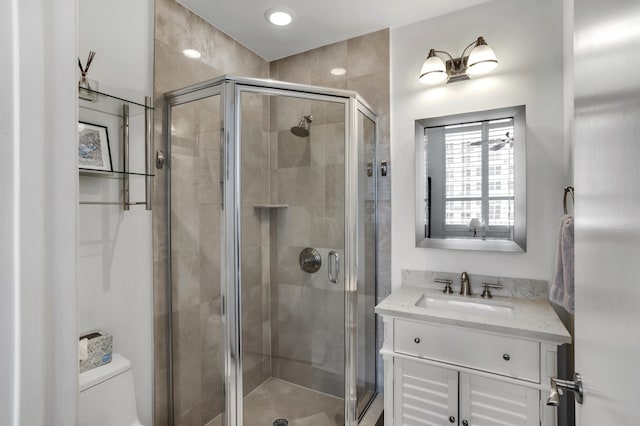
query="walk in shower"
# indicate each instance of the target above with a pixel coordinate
(272, 248)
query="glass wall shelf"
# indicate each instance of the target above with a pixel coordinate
(108, 104)
(94, 198)
(115, 174)
(124, 110)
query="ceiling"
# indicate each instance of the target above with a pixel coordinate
(316, 23)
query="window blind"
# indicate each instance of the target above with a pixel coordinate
(479, 173)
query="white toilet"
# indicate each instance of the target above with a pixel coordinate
(107, 396)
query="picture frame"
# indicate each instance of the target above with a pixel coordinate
(94, 152)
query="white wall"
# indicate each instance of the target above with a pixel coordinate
(527, 38)
(567, 30)
(38, 219)
(115, 258)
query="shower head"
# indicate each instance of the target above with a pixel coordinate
(302, 129)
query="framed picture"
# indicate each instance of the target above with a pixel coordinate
(93, 147)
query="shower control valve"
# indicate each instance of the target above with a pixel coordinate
(310, 260)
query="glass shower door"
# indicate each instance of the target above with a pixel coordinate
(366, 279)
(272, 255)
(292, 210)
(196, 375)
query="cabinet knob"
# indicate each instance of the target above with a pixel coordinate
(506, 357)
(465, 423)
(417, 340)
(452, 419)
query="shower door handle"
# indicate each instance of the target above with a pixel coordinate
(334, 267)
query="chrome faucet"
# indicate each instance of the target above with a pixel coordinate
(465, 285)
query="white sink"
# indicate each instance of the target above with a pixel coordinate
(467, 305)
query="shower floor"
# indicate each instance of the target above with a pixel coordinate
(301, 406)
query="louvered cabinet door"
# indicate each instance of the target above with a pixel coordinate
(488, 402)
(425, 395)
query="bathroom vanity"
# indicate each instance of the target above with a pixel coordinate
(467, 360)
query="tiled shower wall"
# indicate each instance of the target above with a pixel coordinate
(367, 61)
(195, 254)
(307, 309)
(366, 294)
(196, 305)
(255, 297)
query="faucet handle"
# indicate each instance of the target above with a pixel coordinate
(486, 293)
(447, 285)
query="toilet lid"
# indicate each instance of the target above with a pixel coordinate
(90, 378)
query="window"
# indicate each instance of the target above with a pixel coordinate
(479, 176)
(471, 166)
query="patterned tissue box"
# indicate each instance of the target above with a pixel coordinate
(99, 348)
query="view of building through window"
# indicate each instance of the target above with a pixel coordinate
(479, 173)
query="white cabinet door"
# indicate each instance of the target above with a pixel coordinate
(488, 402)
(424, 394)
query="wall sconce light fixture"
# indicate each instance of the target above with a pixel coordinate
(481, 60)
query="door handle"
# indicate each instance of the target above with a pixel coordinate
(334, 267)
(574, 386)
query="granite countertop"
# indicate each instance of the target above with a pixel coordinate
(532, 318)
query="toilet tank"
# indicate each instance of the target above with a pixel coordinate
(107, 396)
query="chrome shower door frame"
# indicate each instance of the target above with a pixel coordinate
(351, 262)
(230, 89)
(178, 97)
(358, 104)
(234, 91)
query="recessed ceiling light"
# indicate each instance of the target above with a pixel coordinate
(338, 71)
(191, 53)
(279, 16)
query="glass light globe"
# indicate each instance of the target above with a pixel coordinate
(482, 60)
(433, 70)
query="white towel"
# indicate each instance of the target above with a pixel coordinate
(562, 289)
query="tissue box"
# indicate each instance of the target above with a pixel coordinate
(99, 348)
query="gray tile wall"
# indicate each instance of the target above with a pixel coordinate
(366, 60)
(196, 305)
(308, 310)
(197, 356)
(254, 255)
(275, 289)
(367, 348)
